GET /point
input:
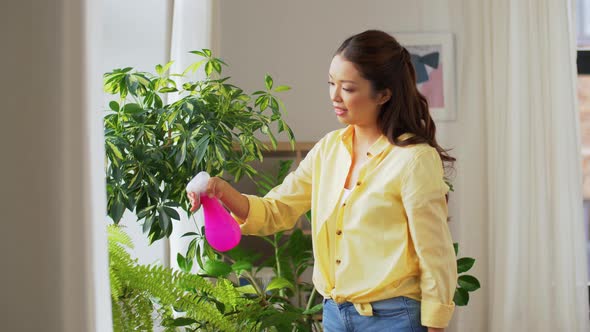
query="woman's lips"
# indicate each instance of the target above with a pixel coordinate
(340, 111)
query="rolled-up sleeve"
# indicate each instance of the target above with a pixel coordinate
(423, 195)
(283, 205)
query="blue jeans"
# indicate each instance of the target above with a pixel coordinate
(398, 314)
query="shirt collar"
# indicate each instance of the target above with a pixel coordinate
(377, 147)
(380, 144)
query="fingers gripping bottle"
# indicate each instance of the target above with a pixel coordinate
(221, 229)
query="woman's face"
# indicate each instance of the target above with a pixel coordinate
(352, 97)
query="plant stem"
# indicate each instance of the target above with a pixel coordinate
(250, 278)
(277, 260)
(311, 298)
(308, 306)
(278, 263)
(247, 275)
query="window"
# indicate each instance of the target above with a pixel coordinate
(583, 19)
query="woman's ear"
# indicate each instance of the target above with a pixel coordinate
(383, 96)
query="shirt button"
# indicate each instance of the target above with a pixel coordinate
(343, 204)
(338, 232)
(338, 261)
(358, 183)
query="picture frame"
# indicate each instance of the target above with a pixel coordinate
(434, 62)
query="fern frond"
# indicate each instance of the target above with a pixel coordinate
(117, 235)
(116, 286)
(142, 293)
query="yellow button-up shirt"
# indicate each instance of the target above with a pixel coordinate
(388, 238)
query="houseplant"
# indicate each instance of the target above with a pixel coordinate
(465, 283)
(153, 148)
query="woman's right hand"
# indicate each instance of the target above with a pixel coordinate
(232, 199)
(215, 188)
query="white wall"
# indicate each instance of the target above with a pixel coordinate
(137, 34)
(294, 42)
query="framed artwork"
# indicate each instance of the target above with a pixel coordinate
(433, 59)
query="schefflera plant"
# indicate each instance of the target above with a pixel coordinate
(153, 148)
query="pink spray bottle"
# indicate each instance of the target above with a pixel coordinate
(221, 230)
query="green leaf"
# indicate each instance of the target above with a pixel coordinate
(168, 89)
(185, 264)
(180, 155)
(274, 105)
(464, 264)
(115, 150)
(147, 223)
(132, 108)
(208, 68)
(198, 53)
(240, 266)
(202, 146)
(192, 248)
(247, 289)
(259, 100)
(144, 212)
(273, 140)
(456, 247)
(217, 268)
(264, 103)
(268, 82)
(192, 68)
(279, 283)
(217, 66)
(117, 210)
(172, 213)
(207, 52)
(198, 257)
(183, 321)
(461, 297)
(189, 234)
(167, 66)
(163, 219)
(314, 309)
(448, 182)
(114, 106)
(281, 88)
(468, 283)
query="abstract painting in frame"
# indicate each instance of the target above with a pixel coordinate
(433, 60)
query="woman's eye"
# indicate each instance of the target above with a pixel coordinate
(348, 90)
(330, 83)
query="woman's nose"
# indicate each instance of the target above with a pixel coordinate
(335, 94)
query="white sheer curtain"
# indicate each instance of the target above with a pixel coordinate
(537, 266)
(192, 29)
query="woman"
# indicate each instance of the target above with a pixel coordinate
(384, 258)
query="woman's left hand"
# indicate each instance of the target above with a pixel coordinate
(435, 329)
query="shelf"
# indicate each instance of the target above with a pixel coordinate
(284, 149)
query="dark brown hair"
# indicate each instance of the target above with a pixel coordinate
(381, 60)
